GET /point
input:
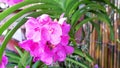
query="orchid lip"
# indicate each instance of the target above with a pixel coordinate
(51, 46)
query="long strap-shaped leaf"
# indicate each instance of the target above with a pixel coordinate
(100, 15)
(86, 56)
(84, 21)
(22, 4)
(8, 37)
(13, 57)
(73, 5)
(85, 9)
(16, 7)
(23, 59)
(77, 63)
(18, 15)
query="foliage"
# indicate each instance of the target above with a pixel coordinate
(74, 10)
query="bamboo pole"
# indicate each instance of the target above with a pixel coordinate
(118, 45)
(93, 44)
(108, 47)
(105, 41)
(116, 50)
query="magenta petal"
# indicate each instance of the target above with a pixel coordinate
(55, 39)
(5, 59)
(44, 19)
(65, 28)
(37, 36)
(30, 25)
(17, 1)
(69, 49)
(2, 65)
(28, 45)
(12, 2)
(56, 32)
(4, 62)
(65, 40)
(37, 51)
(59, 53)
(32, 29)
(47, 58)
(25, 44)
(45, 34)
(34, 48)
(35, 59)
(52, 33)
(27, 66)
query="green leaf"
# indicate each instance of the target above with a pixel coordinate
(16, 7)
(13, 57)
(10, 65)
(83, 22)
(38, 64)
(17, 16)
(71, 7)
(9, 36)
(89, 58)
(19, 51)
(73, 41)
(79, 13)
(79, 52)
(50, 7)
(97, 27)
(23, 60)
(53, 2)
(86, 56)
(12, 60)
(77, 63)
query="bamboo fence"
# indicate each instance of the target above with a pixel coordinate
(106, 52)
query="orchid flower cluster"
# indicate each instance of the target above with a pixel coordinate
(47, 40)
